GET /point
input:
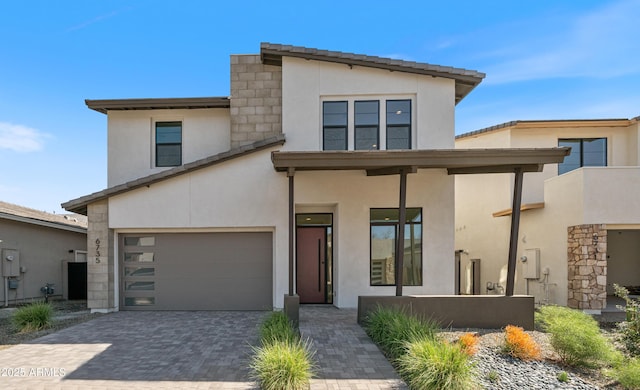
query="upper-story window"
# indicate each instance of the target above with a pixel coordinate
(585, 152)
(168, 144)
(398, 124)
(366, 125)
(362, 130)
(334, 125)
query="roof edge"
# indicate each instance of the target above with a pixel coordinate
(79, 205)
(105, 105)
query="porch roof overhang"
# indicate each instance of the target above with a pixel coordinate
(389, 162)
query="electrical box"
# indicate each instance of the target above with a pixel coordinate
(10, 263)
(13, 284)
(531, 263)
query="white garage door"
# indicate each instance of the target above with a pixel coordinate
(196, 271)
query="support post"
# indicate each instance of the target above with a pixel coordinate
(400, 239)
(515, 227)
(291, 231)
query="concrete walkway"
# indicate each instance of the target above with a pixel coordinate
(198, 350)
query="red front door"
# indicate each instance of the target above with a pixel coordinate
(311, 267)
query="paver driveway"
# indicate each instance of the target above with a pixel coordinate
(202, 350)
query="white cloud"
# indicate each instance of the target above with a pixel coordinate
(599, 44)
(21, 138)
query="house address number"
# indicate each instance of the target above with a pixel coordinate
(97, 250)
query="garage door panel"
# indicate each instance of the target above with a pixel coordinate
(200, 271)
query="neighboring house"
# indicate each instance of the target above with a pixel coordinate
(36, 249)
(290, 185)
(580, 224)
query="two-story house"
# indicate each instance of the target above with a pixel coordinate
(580, 223)
(297, 183)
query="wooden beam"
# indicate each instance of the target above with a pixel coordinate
(515, 227)
(390, 171)
(400, 240)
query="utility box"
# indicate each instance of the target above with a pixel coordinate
(10, 263)
(531, 263)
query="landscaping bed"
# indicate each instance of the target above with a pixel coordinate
(65, 314)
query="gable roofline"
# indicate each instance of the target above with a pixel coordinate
(79, 205)
(105, 105)
(549, 123)
(466, 80)
(23, 214)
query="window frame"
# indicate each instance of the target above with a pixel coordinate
(357, 126)
(346, 125)
(397, 226)
(157, 144)
(396, 125)
(581, 140)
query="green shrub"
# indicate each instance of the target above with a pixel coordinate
(628, 374)
(563, 376)
(282, 365)
(32, 317)
(575, 336)
(629, 329)
(391, 329)
(277, 327)
(433, 364)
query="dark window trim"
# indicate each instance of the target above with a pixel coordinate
(168, 143)
(346, 125)
(606, 152)
(356, 126)
(371, 224)
(397, 125)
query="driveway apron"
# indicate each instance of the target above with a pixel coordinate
(189, 349)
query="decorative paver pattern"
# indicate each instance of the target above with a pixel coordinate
(189, 350)
(346, 357)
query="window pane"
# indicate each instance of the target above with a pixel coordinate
(139, 286)
(139, 271)
(412, 261)
(335, 138)
(366, 138)
(168, 155)
(572, 161)
(334, 114)
(383, 243)
(138, 256)
(594, 152)
(139, 241)
(366, 113)
(398, 112)
(168, 132)
(398, 137)
(139, 301)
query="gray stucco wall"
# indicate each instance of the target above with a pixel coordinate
(41, 250)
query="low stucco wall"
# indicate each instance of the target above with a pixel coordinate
(459, 311)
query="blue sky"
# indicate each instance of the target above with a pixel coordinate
(544, 59)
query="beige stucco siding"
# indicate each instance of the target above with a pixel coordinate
(131, 139)
(306, 83)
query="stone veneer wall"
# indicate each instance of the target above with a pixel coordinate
(587, 262)
(256, 100)
(100, 278)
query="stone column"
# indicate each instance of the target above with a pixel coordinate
(256, 100)
(100, 261)
(587, 267)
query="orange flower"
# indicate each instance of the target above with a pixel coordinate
(468, 343)
(520, 344)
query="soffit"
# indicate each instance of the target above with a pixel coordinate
(106, 105)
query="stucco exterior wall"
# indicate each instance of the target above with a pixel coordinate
(131, 139)
(247, 194)
(41, 250)
(306, 83)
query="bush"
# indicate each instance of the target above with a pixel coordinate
(277, 327)
(469, 343)
(575, 336)
(281, 365)
(519, 344)
(628, 374)
(391, 329)
(283, 361)
(629, 329)
(563, 376)
(433, 364)
(35, 316)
